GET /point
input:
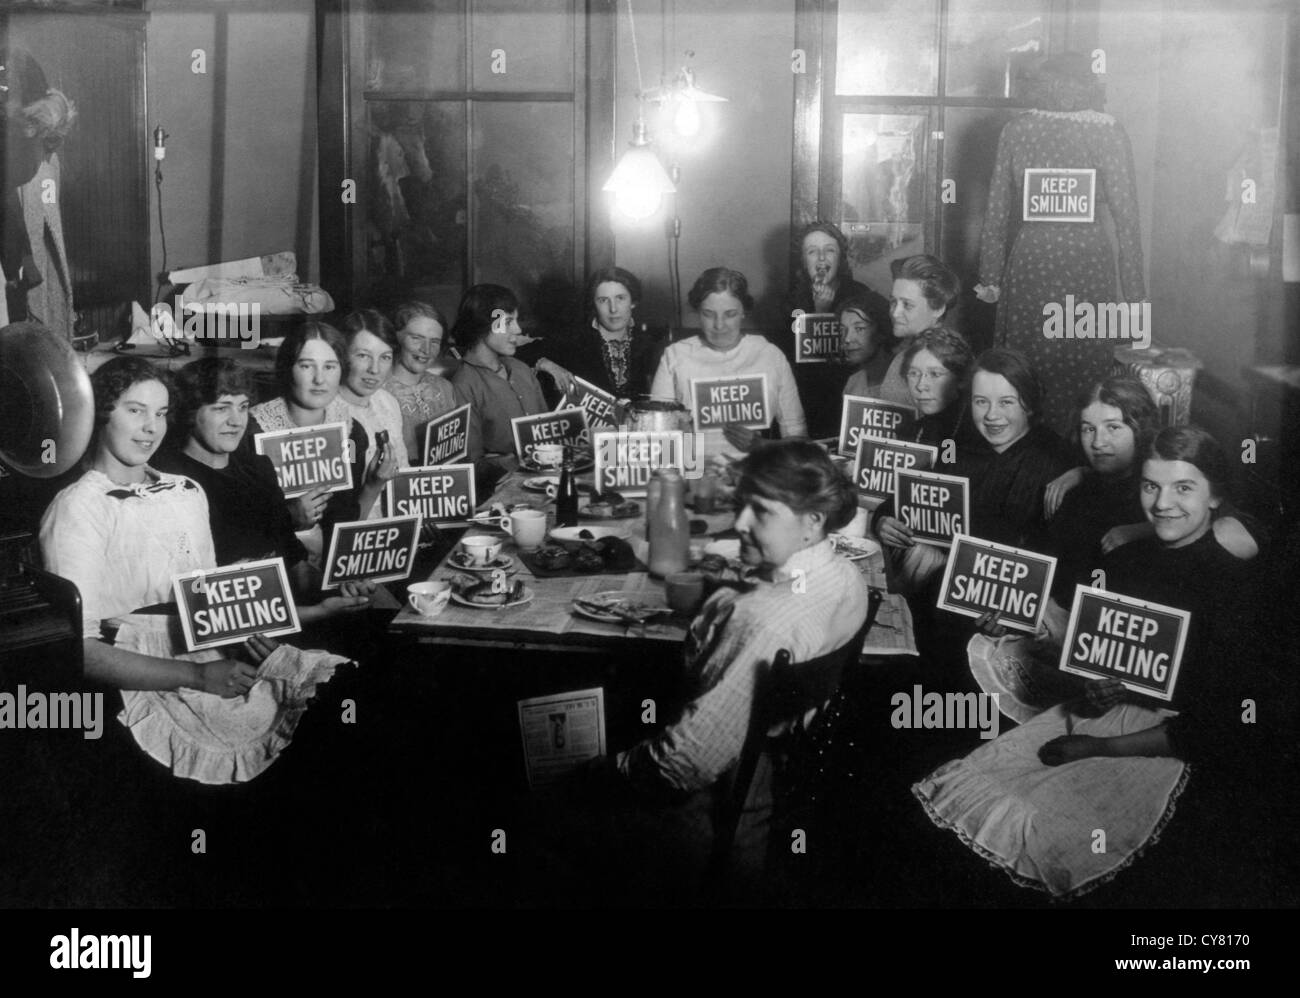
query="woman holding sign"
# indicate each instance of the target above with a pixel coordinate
(497, 386)
(824, 285)
(1032, 800)
(309, 368)
(121, 532)
(723, 350)
(371, 345)
(421, 393)
(246, 512)
(612, 352)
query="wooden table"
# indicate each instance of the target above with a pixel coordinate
(548, 623)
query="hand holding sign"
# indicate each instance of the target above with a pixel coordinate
(308, 508)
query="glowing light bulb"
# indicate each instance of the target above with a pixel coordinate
(686, 122)
(639, 181)
(638, 204)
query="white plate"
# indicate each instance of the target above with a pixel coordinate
(502, 561)
(650, 603)
(540, 483)
(583, 462)
(584, 511)
(460, 600)
(729, 549)
(568, 536)
(854, 548)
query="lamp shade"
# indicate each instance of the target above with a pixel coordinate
(639, 181)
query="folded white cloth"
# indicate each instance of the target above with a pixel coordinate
(211, 739)
(277, 295)
(1041, 823)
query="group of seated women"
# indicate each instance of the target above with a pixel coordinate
(173, 483)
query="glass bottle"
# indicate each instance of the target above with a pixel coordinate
(669, 526)
(566, 497)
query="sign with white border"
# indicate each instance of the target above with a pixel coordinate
(380, 550)
(982, 576)
(220, 606)
(1111, 636)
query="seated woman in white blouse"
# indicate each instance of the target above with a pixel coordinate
(722, 349)
(121, 532)
(371, 345)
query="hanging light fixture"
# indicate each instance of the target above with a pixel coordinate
(687, 98)
(639, 181)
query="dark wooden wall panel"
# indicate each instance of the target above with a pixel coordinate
(97, 59)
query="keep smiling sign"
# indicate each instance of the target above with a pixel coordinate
(567, 427)
(862, 416)
(741, 400)
(1112, 636)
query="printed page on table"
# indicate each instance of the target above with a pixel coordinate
(892, 633)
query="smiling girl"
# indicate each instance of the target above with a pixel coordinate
(371, 345)
(309, 368)
(421, 393)
(1030, 800)
(122, 532)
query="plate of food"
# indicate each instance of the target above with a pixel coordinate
(475, 592)
(727, 548)
(618, 607)
(587, 557)
(540, 483)
(460, 561)
(582, 461)
(574, 537)
(609, 506)
(854, 548)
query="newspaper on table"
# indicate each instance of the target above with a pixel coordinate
(561, 732)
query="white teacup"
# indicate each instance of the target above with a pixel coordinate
(857, 527)
(429, 598)
(481, 551)
(548, 455)
(527, 527)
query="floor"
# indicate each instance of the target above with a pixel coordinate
(402, 808)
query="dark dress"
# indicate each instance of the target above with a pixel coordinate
(1034, 263)
(343, 506)
(1006, 489)
(821, 386)
(585, 355)
(246, 510)
(1073, 536)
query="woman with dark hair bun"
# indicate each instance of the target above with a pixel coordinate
(497, 386)
(613, 351)
(803, 598)
(1030, 801)
(722, 348)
